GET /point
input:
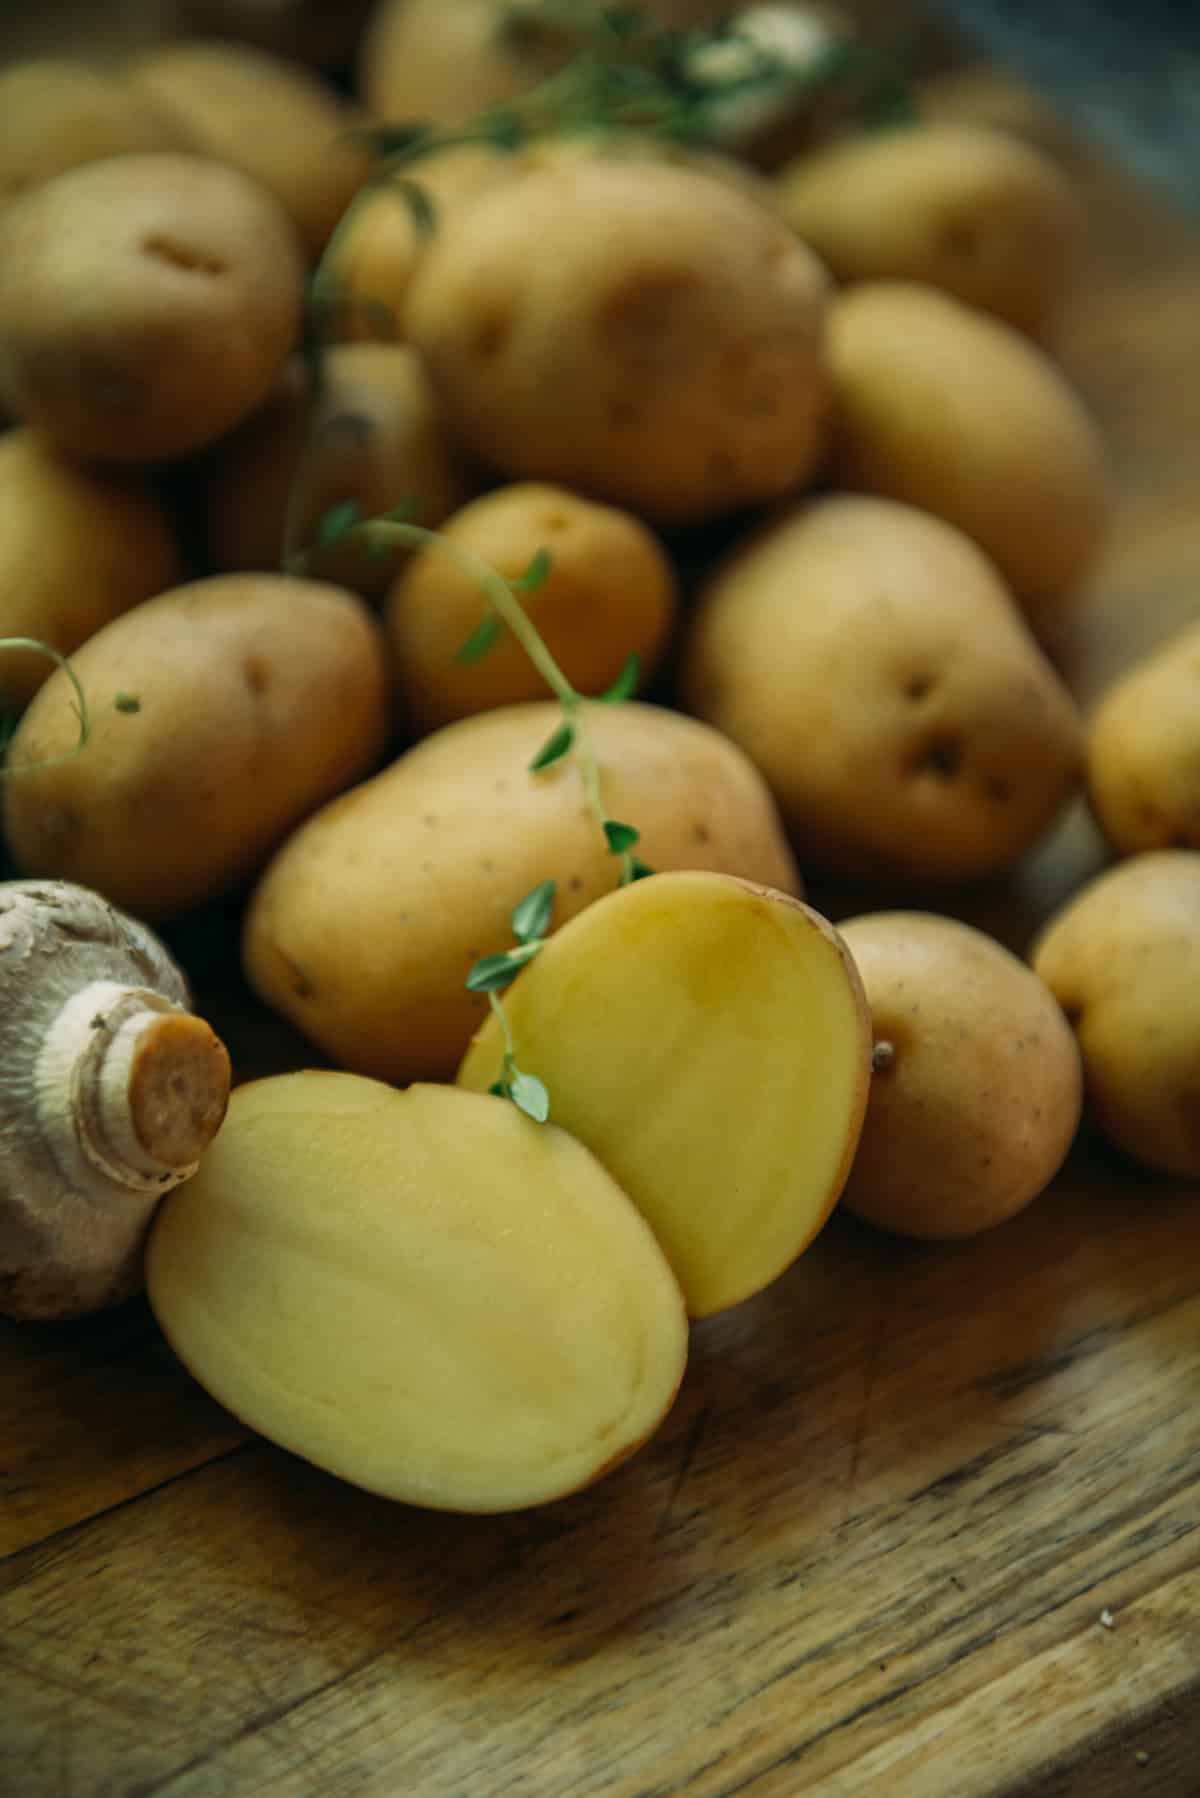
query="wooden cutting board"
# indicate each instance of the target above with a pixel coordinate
(925, 1522)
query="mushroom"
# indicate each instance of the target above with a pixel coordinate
(110, 1091)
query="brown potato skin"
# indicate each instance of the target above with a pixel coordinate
(146, 305)
(268, 117)
(258, 698)
(1143, 752)
(1123, 959)
(872, 664)
(375, 436)
(59, 114)
(942, 406)
(965, 208)
(77, 548)
(363, 928)
(610, 593)
(977, 1098)
(682, 377)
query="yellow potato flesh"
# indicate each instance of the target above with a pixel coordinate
(424, 1292)
(708, 1040)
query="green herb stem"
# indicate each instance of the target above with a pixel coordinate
(79, 706)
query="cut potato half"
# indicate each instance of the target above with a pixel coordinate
(710, 1042)
(423, 1292)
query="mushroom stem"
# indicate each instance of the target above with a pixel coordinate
(130, 1088)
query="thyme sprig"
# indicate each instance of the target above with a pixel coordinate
(396, 529)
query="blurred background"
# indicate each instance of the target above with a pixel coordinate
(1127, 77)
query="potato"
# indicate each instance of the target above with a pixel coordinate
(731, 1122)
(873, 666)
(421, 60)
(610, 594)
(1143, 751)
(977, 1091)
(146, 305)
(371, 263)
(77, 548)
(1123, 959)
(377, 252)
(665, 356)
(269, 118)
(59, 114)
(962, 207)
(365, 925)
(940, 405)
(375, 436)
(223, 712)
(422, 1292)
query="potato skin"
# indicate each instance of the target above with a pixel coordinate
(268, 117)
(610, 593)
(258, 698)
(146, 305)
(60, 114)
(77, 548)
(681, 377)
(873, 666)
(940, 405)
(376, 255)
(1123, 959)
(363, 928)
(975, 1103)
(962, 207)
(422, 59)
(1143, 752)
(375, 436)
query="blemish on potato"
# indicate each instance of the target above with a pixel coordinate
(164, 248)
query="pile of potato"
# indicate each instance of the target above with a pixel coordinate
(832, 374)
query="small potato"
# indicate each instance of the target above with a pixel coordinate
(375, 437)
(1123, 959)
(365, 925)
(666, 356)
(269, 118)
(962, 207)
(371, 263)
(422, 1292)
(1143, 751)
(940, 405)
(222, 713)
(146, 305)
(873, 666)
(59, 114)
(977, 1090)
(423, 59)
(77, 548)
(610, 594)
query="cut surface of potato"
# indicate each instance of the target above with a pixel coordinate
(709, 1041)
(421, 1292)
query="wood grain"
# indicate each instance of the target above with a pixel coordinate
(925, 1522)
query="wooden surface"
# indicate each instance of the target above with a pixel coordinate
(925, 1522)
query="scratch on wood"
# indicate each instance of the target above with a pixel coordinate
(691, 1443)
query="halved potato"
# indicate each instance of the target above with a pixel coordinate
(709, 1041)
(422, 1292)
